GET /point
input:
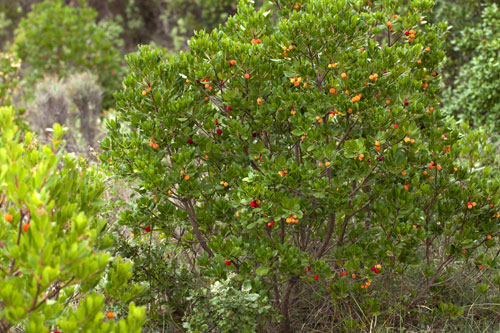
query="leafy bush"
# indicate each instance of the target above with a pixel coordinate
(476, 96)
(460, 15)
(58, 39)
(217, 307)
(9, 77)
(303, 149)
(54, 271)
(185, 17)
(4, 23)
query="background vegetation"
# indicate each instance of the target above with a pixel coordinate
(257, 160)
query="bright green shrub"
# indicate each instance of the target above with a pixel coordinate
(54, 271)
(303, 150)
(476, 93)
(57, 39)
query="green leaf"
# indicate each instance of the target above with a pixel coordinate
(263, 270)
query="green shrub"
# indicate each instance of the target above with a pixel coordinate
(460, 15)
(225, 308)
(476, 93)
(303, 150)
(185, 17)
(57, 39)
(54, 270)
(9, 77)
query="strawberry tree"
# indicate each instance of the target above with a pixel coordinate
(304, 148)
(54, 270)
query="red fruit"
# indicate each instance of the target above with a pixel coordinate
(147, 229)
(396, 126)
(407, 33)
(229, 108)
(270, 224)
(373, 268)
(26, 226)
(216, 122)
(376, 271)
(254, 204)
(190, 141)
(255, 134)
(316, 277)
(227, 262)
(219, 131)
(406, 102)
(308, 269)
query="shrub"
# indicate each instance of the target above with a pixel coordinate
(54, 270)
(86, 94)
(303, 149)
(74, 102)
(460, 15)
(185, 17)
(50, 105)
(58, 39)
(217, 307)
(476, 96)
(9, 77)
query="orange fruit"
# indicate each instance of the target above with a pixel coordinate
(8, 217)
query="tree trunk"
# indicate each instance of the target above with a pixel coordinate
(285, 326)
